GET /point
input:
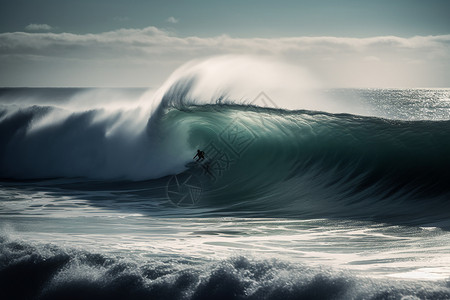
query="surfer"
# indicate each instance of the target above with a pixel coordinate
(200, 154)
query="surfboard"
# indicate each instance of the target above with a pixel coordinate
(193, 164)
(203, 165)
(196, 163)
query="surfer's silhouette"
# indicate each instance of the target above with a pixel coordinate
(200, 154)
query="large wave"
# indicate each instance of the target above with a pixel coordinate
(309, 161)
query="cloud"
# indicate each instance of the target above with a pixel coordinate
(172, 20)
(151, 54)
(152, 40)
(38, 27)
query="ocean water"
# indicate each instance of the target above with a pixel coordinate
(100, 197)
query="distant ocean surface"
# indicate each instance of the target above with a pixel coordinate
(100, 197)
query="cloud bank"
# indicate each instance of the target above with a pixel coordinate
(145, 57)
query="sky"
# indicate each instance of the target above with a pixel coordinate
(137, 43)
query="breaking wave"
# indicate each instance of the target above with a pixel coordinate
(261, 159)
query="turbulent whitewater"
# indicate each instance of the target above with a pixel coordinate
(100, 196)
